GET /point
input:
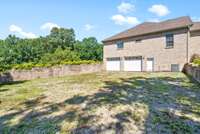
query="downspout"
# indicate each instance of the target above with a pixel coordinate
(187, 47)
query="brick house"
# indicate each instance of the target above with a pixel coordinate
(152, 46)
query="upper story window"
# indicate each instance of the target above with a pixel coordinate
(120, 45)
(138, 41)
(169, 41)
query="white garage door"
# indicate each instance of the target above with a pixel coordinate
(113, 64)
(133, 64)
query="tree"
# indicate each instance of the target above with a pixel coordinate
(58, 46)
(89, 49)
(61, 38)
(60, 55)
(28, 51)
(12, 40)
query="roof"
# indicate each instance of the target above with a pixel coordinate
(195, 26)
(153, 27)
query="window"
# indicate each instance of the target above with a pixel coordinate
(175, 68)
(169, 41)
(138, 41)
(120, 45)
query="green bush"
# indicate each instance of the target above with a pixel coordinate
(194, 56)
(23, 66)
(197, 61)
(3, 68)
(58, 56)
(29, 66)
(79, 62)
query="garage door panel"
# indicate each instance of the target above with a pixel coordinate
(133, 65)
(113, 64)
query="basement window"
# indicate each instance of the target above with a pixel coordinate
(175, 68)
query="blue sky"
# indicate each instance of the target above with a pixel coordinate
(98, 18)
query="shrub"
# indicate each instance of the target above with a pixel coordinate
(29, 66)
(3, 68)
(23, 66)
(197, 62)
(194, 57)
(79, 62)
(58, 56)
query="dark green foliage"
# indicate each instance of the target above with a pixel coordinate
(89, 49)
(63, 38)
(60, 55)
(59, 47)
(12, 40)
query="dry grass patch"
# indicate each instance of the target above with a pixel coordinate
(102, 103)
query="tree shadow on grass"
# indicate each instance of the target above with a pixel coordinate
(160, 95)
(4, 90)
(7, 79)
(12, 83)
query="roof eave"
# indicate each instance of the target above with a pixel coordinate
(110, 40)
(195, 30)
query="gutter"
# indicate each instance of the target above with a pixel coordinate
(196, 30)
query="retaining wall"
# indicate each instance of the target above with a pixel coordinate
(193, 71)
(57, 71)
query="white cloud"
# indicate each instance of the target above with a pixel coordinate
(159, 9)
(196, 18)
(19, 30)
(14, 28)
(122, 20)
(125, 7)
(88, 27)
(49, 26)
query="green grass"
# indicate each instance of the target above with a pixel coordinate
(13, 95)
(132, 102)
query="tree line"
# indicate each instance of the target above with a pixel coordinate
(60, 46)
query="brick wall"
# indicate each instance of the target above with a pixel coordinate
(153, 46)
(194, 43)
(20, 75)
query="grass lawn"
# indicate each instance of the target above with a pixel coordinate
(130, 103)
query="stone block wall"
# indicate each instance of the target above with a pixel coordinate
(57, 71)
(193, 71)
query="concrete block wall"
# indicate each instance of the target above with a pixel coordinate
(57, 71)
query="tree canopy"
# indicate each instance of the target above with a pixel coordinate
(59, 45)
